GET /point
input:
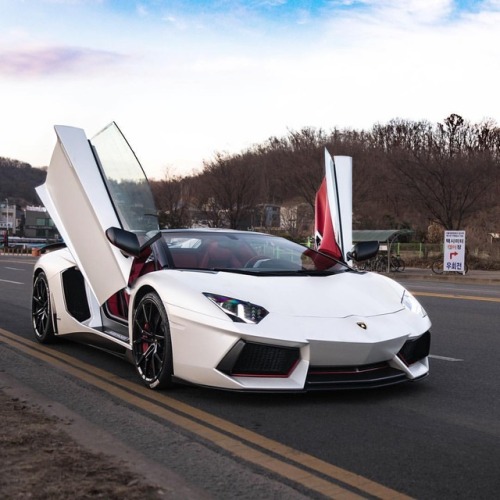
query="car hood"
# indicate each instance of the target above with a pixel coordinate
(334, 296)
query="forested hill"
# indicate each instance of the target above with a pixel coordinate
(18, 181)
(406, 174)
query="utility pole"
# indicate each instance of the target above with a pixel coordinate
(7, 215)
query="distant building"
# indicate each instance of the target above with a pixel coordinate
(297, 218)
(10, 218)
(38, 224)
(264, 216)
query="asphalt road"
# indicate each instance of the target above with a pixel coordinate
(439, 438)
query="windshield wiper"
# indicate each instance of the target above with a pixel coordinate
(317, 272)
(225, 270)
(275, 272)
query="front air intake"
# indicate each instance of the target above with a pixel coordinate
(248, 359)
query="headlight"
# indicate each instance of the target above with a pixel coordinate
(412, 304)
(238, 310)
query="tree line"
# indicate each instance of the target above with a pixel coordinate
(406, 174)
(18, 181)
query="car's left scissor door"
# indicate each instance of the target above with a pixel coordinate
(90, 187)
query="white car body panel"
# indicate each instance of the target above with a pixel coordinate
(338, 173)
(335, 296)
(53, 264)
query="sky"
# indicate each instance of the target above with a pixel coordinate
(185, 80)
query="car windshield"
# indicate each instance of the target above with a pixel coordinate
(125, 180)
(245, 252)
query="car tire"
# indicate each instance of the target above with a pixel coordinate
(151, 344)
(41, 310)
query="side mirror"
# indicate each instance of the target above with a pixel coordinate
(363, 250)
(128, 242)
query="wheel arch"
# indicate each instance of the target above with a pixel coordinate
(143, 290)
(36, 272)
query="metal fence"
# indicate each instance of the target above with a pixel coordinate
(430, 250)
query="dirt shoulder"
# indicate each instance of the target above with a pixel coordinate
(46, 452)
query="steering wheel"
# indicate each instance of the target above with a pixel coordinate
(254, 260)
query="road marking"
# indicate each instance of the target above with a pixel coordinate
(457, 296)
(311, 472)
(444, 358)
(14, 268)
(14, 282)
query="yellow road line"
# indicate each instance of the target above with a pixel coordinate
(224, 434)
(457, 296)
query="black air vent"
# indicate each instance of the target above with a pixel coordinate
(416, 349)
(247, 359)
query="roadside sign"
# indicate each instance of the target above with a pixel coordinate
(454, 251)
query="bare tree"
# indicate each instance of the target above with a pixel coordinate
(444, 169)
(234, 186)
(305, 168)
(172, 197)
(405, 174)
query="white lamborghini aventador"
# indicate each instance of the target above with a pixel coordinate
(228, 309)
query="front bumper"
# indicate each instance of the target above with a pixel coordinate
(247, 360)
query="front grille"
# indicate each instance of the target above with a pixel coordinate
(352, 377)
(415, 349)
(248, 359)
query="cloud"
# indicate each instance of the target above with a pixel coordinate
(270, 3)
(208, 76)
(34, 62)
